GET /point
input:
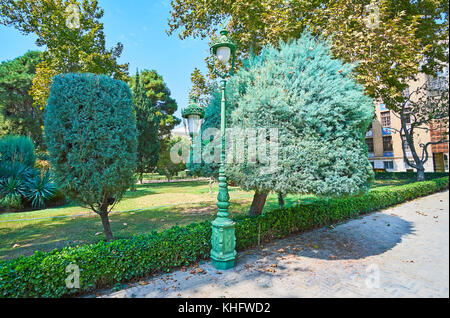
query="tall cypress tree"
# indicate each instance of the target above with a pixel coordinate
(147, 123)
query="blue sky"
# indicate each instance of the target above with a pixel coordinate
(140, 25)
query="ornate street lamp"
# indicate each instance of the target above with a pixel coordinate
(192, 117)
(223, 253)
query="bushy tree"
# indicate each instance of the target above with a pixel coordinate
(147, 126)
(90, 132)
(17, 113)
(321, 115)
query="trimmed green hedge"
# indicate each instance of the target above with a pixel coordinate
(408, 175)
(105, 264)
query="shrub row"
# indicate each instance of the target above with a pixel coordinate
(105, 264)
(408, 175)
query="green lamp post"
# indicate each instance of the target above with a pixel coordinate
(193, 116)
(223, 253)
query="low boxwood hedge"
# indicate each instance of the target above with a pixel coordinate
(408, 175)
(105, 264)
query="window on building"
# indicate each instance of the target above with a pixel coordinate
(373, 164)
(407, 115)
(369, 143)
(445, 162)
(408, 118)
(388, 165)
(386, 119)
(387, 143)
(405, 143)
(438, 84)
(406, 92)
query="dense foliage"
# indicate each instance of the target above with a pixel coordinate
(24, 187)
(17, 113)
(90, 132)
(159, 94)
(321, 115)
(107, 263)
(72, 35)
(17, 149)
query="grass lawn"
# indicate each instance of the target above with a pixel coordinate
(153, 206)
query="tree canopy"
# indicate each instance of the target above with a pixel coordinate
(159, 94)
(387, 40)
(72, 35)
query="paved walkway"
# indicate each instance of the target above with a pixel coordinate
(400, 252)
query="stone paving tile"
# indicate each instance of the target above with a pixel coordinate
(399, 252)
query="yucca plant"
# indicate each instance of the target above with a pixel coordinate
(39, 189)
(16, 170)
(12, 189)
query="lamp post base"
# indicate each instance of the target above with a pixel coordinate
(223, 265)
(223, 254)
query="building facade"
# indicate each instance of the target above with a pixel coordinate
(385, 143)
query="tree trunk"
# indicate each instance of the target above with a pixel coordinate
(280, 200)
(211, 183)
(421, 174)
(106, 226)
(259, 200)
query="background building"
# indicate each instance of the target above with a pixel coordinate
(385, 143)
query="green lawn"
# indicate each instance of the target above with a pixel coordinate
(153, 206)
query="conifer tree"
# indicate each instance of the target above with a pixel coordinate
(147, 123)
(90, 132)
(321, 115)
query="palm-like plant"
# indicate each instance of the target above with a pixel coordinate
(39, 189)
(12, 189)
